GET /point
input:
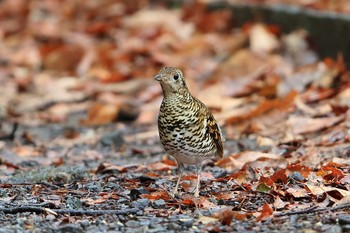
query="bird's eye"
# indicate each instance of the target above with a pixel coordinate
(176, 76)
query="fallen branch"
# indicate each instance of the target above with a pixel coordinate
(312, 210)
(41, 210)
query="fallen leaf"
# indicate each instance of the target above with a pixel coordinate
(278, 203)
(297, 191)
(330, 172)
(262, 187)
(109, 167)
(224, 196)
(226, 215)
(262, 41)
(237, 161)
(265, 213)
(265, 106)
(205, 219)
(188, 202)
(159, 166)
(157, 195)
(303, 170)
(101, 114)
(303, 125)
(344, 201)
(319, 189)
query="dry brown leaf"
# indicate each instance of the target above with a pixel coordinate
(319, 189)
(344, 201)
(225, 196)
(297, 191)
(159, 166)
(279, 176)
(226, 215)
(265, 106)
(149, 18)
(237, 161)
(157, 195)
(279, 204)
(205, 219)
(265, 213)
(109, 167)
(303, 125)
(331, 172)
(26, 151)
(101, 114)
(64, 57)
(303, 170)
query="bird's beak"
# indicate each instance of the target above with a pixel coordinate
(158, 77)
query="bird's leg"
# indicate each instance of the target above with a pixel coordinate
(199, 171)
(181, 168)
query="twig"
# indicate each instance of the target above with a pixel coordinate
(34, 209)
(8, 185)
(10, 136)
(313, 210)
(23, 209)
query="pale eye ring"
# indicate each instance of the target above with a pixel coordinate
(176, 77)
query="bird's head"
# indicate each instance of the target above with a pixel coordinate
(172, 81)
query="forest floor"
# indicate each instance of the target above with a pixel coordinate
(79, 145)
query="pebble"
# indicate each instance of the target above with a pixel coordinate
(344, 220)
(219, 172)
(69, 228)
(84, 223)
(346, 228)
(187, 222)
(296, 176)
(145, 222)
(173, 226)
(74, 203)
(132, 223)
(157, 229)
(112, 186)
(335, 229)
(141, 203)
(93, 187)
(116, 139)
(159, 204)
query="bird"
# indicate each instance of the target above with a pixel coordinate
(187, 129)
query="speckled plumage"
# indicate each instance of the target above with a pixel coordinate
(187, 129)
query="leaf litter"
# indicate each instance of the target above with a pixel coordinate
(79, 148)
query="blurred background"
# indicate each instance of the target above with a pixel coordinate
(70, 68)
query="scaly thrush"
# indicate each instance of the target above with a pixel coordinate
(187, 129)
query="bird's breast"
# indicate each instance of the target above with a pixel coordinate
(183, 133)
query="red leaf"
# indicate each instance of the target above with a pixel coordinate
(338, 110)
(226, 215)
(331, 172)
(265, 212)
(303, 170)
(266, 180)
(188, 202)
(279, 176)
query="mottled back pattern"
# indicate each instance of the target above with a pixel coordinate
(187, 129)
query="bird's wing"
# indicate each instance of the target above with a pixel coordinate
(215, 134)
(213, 129)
